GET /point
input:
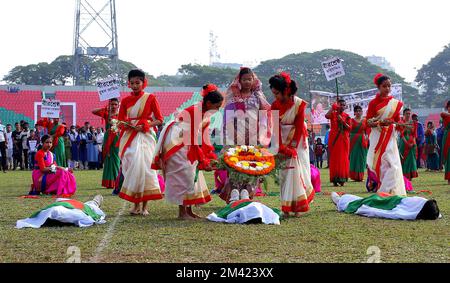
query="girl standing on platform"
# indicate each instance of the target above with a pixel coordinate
(181, 157)
(110, 150)
(297, 191)
(137, 144)
(383, 158)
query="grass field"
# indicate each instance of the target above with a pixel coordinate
(322, 235)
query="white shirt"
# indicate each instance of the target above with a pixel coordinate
(9, 139)
(24, 136)
(2, 133)
(99, 138)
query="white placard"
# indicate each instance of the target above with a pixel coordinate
(33, 144)
(50, 108)
(333, 68)
(108, 88)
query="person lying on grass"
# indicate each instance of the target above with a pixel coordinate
(384, 205)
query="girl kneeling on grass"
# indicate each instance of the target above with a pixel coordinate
(181, 158)
(48, 178)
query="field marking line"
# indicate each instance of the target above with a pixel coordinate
(107, 238)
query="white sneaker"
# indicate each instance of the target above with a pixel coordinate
(335, 198)
(98, 199)
(234, 195)
(244, 194)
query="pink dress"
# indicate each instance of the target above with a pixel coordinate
(315, 179)
(61, 183)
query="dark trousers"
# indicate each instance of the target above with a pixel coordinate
(419, 156)
(17, 155)
(100, 160)
(32, 162)
(3, 152)
(25, 158)
(319, 161)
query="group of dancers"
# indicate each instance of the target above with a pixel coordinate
(133, 152)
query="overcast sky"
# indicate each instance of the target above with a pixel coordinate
(159, 36)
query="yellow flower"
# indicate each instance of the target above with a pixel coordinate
(258, 154)
(269, 163)
(234, 159)
(259, 164)
(245, 164)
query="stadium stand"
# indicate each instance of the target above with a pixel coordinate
(20, 105)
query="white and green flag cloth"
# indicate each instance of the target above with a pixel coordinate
(246, 211)
(65, 211)
(382, 206)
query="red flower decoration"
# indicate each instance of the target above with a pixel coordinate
(209, 88)
(286, 77)
(375, 79)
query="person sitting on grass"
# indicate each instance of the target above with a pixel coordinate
(48, 178)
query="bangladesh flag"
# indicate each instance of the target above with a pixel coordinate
(246, 211)
(65, 211)
(388, 206)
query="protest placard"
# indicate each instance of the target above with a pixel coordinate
(108, 88)
(50, 108)
(333, 68)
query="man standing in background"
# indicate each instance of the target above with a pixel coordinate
(9, 147)
(24, 138)
(3, 144)
(17, 149)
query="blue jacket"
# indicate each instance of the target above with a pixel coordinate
(420, 134)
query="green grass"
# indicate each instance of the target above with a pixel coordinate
(322, 235)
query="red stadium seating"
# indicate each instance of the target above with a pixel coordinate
(23, 102)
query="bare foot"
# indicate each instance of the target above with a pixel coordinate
(135, 212)
(145, 212)
(186, 217)
(299, 214)
(192, 214)
(286, 214)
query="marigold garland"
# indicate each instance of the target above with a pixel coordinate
(250, 160)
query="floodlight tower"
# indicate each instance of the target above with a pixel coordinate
(95, 37)
(214, 55)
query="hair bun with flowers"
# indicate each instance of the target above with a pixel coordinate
(376, 78)
(209, 88)
(287, 79)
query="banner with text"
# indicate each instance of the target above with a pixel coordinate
(108, 88)
(50, 108)
(321, 101)
(333, 68)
